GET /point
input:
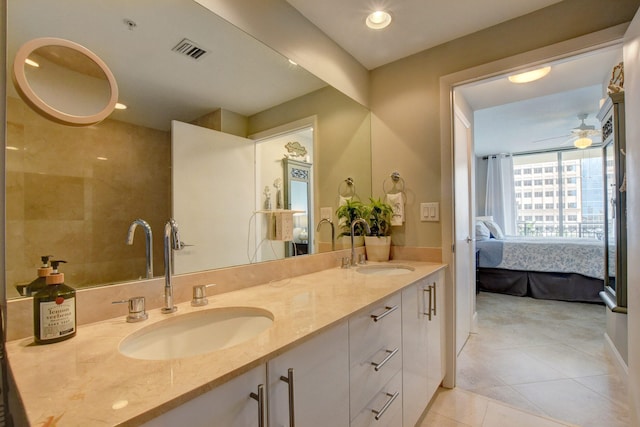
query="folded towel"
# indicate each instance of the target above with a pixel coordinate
(396, 200)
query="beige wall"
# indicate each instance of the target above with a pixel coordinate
(632, 107)
(343, 136)
(63, 201)
(405, 97)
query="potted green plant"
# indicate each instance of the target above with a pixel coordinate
(347, 213)
(378, 241)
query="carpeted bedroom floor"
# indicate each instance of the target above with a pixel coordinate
(545, 357)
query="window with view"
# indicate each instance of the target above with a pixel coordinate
(571, 194)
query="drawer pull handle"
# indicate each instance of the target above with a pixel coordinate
(388, 311)
(292, 411)
(435, 300)
(392, 353)
(382, 410)
(260, 398)
(429, 309)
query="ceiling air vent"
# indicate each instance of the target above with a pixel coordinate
(188, 48)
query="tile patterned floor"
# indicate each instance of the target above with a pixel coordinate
(547, 358)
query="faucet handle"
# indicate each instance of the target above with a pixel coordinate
(200, 295)
(137, 311)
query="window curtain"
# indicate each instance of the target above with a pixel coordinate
(501, 194)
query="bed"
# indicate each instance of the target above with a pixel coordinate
(541, 267)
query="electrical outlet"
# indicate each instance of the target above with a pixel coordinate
(430, 211)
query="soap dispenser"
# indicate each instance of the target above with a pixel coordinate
(54, 309)
(40, 283)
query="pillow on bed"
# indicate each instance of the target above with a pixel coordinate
(482, 232)
(494, 228)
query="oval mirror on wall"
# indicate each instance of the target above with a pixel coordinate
(64, 81)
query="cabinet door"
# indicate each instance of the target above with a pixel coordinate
(311, 382)
(422, 345)
(414, 351)
(435, 335)
(228, 405)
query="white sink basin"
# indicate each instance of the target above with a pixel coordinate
(196, 333)
(385, 269)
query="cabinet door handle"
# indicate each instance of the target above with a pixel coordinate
(388, 311)
(292, 412)
(379, 413)
(435, 300)
(429, 310)
(260, 398)
(379, 366)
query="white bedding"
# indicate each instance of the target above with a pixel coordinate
(544, 254)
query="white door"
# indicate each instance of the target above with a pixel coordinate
(464, 276)
(201, 200)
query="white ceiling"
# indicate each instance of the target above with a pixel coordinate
(416, 24)
(539, 115)
(159, 85)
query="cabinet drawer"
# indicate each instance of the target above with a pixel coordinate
(392, 415)
(375, 351)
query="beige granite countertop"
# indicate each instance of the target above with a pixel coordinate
(80, 381)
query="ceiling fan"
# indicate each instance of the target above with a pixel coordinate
(580, 136)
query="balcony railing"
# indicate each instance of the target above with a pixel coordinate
(586, 230)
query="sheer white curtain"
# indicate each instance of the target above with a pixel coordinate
(501, 194)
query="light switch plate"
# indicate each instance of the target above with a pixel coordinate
(326, 212)
(430, 211)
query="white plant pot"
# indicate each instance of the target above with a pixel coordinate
(377, 248)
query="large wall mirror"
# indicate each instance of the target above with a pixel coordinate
(73, 192)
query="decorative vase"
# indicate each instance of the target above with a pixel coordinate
(377, 248)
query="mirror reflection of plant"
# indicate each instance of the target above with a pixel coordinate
(378, 215)
(350, 211)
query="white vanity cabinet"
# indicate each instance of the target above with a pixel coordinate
(375, 350)
(310, 383)
(228, 405)
(422, 344)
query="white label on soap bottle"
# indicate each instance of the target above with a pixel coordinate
(57, 319)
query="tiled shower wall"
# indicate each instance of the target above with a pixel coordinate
(72, 193)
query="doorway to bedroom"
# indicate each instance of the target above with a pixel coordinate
(533, 353)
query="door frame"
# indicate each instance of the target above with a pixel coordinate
(601, 39)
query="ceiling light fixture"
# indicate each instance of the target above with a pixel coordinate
(529, 76)
(583, 143)
(378, 20)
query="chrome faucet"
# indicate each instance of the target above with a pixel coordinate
(333, 231)
(171, 242)
(353, 226)
(148, 240)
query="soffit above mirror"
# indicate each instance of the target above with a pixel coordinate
(157, 83)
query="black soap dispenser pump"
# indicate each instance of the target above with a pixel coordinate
(40, 283)
(54, 309)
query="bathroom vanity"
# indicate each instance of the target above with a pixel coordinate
(345, 347)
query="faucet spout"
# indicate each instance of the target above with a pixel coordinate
(148, 237)
(333, 231)
(171, 243)
(353, 228)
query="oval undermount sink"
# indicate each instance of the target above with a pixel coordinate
(385, 269)
(196, 333)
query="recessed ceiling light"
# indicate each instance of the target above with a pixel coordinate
(378, 20)
(31, 62)
(120, 106)
(529, 76)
